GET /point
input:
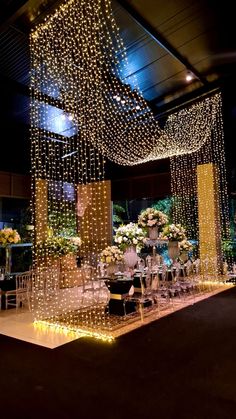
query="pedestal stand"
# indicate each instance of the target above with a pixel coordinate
(154, 243)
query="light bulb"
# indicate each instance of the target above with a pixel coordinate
(189, 77)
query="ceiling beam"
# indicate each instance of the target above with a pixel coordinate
(158, 37)
(13, 86)
(44, 8)
(46, 11)
(20, 7)
(186, 100)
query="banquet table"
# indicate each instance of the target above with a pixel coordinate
(6, 284)
(119, 289)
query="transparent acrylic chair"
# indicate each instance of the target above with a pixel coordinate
(161, 293)
(143, 298)
(2, 275)
(21, 295)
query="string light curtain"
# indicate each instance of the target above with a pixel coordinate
(77, 66)
(82, 113)
(184, 174)
(65, 164)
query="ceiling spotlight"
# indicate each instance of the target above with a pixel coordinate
(70, 117)
(138, 107)
(118, 98)
(189, 77)
(123, 102)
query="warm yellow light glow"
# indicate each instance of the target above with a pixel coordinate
(209, 219)
(66, 77)
(74, 332)
(189, 77)
(78, 65)
(184, 175)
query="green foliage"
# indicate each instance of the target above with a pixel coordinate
(118, 212)
(56, 246)
(118, 208)
(62, 220)
(25, 221)
(227, 246)
(166, 206)
(117, 219)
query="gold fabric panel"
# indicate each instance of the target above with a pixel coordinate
(41, 210)
(95, 218)
(209, 219)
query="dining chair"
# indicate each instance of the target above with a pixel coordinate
(94, 290)
(142, 299)
(46, 284)
(2, 271)
(22, 293)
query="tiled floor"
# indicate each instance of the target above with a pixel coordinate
(20, 324)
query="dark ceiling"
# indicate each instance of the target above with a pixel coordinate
(165, 40)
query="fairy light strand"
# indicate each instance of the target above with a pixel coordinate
(76, 77)
(184, 178)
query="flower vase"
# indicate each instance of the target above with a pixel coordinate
(111, 269)
(184, 256)
(153, 233)
(130, 257)
(8, 259)
(173, 249)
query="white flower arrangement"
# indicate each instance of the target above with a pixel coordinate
(111, 254)
(58, 246)
(9, 236)
(129, 235)
(185, 246)
(76, 240)
(151, 217)
(174, 232)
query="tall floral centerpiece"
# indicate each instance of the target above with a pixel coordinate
(174, 233)
(129, 238)
(8, 236)
(152, 219)
(111, 256)
(185, 247)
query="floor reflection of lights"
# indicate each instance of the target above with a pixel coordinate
(153, 315)
(20, 324)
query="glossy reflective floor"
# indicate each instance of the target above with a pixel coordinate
(19, 324)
